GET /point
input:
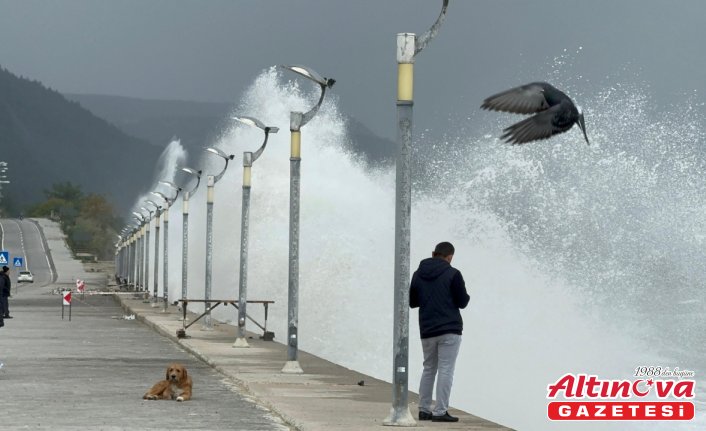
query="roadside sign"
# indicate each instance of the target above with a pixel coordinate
(67, 297)
(66, 300)
(4, 257)
(17, 262)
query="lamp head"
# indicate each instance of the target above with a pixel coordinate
(161, 196)
(311, 74)
(254, 122)
(151, 202)
(220, 153)
(170, 185)
(191, 171)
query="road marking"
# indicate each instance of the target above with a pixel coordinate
(22, 244)
(46, 254)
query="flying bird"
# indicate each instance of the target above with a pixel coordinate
(554, 112)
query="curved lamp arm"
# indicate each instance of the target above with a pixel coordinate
(149, 211)
(250, 121)
(324, 83)
(198, 179)
(139, 217)
(174, 187)
(158, 208)
(423, 40)
(225, 157)
(163, 197)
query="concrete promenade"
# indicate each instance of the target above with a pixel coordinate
(90, 372)
(227, 380)
(326, 397)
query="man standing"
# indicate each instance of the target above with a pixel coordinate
(5, 286)
(439, 291)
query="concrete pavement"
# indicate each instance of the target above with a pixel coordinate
(327, 397)
(90, 372)
(97, 367)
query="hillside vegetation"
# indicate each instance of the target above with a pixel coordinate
(47, 139)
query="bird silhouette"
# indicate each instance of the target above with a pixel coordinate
(554, 112)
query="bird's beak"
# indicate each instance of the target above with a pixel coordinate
(582, 125)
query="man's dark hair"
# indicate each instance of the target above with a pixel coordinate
(443, 249)
(5, 269)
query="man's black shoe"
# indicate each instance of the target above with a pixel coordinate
(445, 418)
(7, 317)
(424, 416)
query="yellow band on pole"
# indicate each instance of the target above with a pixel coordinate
(246, 176)
(296, 144)
(405, 81)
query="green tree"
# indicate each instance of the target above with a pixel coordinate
(89, 221)
(67, 191)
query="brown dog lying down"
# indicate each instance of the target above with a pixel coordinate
(175, 386)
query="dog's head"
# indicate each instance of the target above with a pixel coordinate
(176, 373)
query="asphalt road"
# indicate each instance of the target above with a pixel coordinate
(22, 238)
(90, 373)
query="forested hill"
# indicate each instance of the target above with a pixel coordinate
(47, 139)
(198, 124)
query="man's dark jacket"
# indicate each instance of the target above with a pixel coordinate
(439, 291)
(5, 284)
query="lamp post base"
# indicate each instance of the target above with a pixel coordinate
(400, 418)
(241, 342)
(292, 367)
(207, 323)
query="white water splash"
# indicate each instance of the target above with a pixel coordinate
(563, 246)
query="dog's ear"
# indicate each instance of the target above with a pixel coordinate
(166, 376)
(183, 374)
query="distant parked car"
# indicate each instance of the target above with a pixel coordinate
(25, 276)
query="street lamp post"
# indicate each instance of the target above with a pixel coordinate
(165, 265)
(138, 254)
(141, 268)
(130, 256)
(138, 261)
(146, 273)
(211, 182)
(407, 47)
(133, 258)
(185, 231)
(248, 160)
(119, 259)
(122, 244)
(157, 220)
(296, 121)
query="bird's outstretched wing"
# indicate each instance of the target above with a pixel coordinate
(534, 128)
(525, 99)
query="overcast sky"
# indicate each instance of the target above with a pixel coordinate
(212, 50)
